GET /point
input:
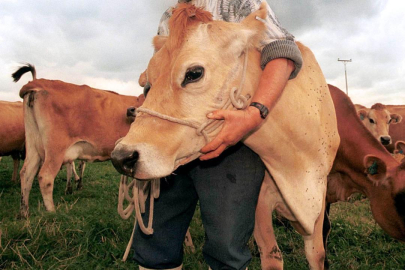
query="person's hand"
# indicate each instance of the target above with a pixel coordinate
(236, 125)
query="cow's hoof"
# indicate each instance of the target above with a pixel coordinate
(79, 185)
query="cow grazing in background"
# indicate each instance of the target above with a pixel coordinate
(380, 120)
(64, 122)
(364, 166)
(12, 135)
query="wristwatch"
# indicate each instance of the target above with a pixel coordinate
(263, 109)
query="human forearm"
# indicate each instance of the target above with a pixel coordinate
(272, 82)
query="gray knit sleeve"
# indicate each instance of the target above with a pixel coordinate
(282, 48)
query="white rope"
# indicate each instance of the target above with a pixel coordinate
(140, 192)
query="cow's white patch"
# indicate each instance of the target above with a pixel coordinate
(84, 151)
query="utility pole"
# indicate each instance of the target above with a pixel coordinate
(345, 62)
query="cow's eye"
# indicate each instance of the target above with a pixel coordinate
(372, 121)
(389, 122)
(146, 89)
(193, 74)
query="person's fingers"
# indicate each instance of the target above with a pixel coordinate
(214, 144)
(218, 115)
(215, 153)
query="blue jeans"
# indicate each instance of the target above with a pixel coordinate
(227, 188)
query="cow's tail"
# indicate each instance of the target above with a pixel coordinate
(22, 70)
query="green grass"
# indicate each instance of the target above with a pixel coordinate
(87, 233)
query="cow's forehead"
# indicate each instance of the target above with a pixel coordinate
(380, 114)
(204, 38)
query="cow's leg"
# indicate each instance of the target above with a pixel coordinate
(16, 165)
(325, 232)
(27, 175)
(270, 254)
(188, 241)
(82, 166)
(75, 175)
(69, 170)
(314, 246)
(46, 178)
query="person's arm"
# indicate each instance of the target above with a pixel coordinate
(239, 123)
(280, 60)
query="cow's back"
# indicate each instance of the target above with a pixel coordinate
(11, 127)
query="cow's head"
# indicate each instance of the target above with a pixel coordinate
(388, 202)
(377, 119)
(191, 74)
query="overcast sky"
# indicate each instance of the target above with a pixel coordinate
(107, 44)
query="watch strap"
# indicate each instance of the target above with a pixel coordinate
(263, 109)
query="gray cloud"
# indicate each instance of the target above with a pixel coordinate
(107, 44)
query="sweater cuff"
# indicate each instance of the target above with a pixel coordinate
(282, 49)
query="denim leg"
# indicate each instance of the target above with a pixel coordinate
(228, 188)
(173, 212)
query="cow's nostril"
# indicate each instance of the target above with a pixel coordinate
(385, 140)
(129, 163)
(131, 111)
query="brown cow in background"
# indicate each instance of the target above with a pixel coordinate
(363, 165)
(64, 122)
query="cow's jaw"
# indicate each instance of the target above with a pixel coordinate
(149, 155)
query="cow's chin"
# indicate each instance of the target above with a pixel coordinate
(149, 170)
(186, 159)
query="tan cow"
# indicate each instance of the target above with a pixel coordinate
(363, 165)
(12, 139)
(379, 119)
(198, 70)
(12, 135)
(64, 122)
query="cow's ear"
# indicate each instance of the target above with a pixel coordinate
(143, 79)
(396, 118)
(400, 147)
(376, 169)
(362, 114)
(159, 42)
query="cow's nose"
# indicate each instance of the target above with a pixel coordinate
(131, 112)
(124, 159)
(385, 140)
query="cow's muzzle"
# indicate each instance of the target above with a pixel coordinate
(125, 159)
(385, 140)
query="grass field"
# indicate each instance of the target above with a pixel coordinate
(87, 233)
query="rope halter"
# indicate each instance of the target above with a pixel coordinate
(203, 129)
